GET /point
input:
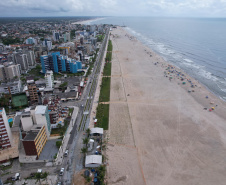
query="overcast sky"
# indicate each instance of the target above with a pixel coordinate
(172, 8)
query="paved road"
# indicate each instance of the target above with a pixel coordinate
(74, 161)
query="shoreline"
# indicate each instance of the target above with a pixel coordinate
(209, 92)
(159, 128)
(220, 93)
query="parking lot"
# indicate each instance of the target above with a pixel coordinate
(49, 150)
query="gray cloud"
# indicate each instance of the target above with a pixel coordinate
(202, 8)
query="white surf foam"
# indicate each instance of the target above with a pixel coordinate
(188, 60)
(178, 59)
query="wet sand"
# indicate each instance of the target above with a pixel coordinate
(159, 132)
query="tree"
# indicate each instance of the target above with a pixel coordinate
(84, 150)
(59, 126)
(58, 144)
(88, 131)
(85, 141)
(38, 177)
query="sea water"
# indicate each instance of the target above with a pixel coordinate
(196, 45)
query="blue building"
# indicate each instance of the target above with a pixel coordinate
(73, 66)
(58, 63)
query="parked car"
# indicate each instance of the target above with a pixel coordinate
(16, 177)
(61, 171)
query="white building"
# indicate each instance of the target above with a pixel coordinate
(9, 71)
(5, 131)
(48, 44)
(49, 78)
(67, 37)
(26, 120)
(42, 118)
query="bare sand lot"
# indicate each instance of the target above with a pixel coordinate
(161, 130)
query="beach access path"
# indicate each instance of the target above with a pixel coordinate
(159, 132)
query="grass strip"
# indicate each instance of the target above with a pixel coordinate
(102, 116)
(105, 90)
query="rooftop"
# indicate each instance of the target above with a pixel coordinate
(40, 109)
(32, 134)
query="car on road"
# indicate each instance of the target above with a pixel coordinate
(16, 177)
(59, 183)
(61, 171)
(66, 153)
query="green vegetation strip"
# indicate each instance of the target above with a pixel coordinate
(105, 90)
(107, 69)
(109, 52)
(102, 116)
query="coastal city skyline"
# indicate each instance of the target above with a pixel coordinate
(159, 8)
(113, 92)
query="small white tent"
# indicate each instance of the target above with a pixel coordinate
(93, 161)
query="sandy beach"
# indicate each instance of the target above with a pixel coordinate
(164, 126)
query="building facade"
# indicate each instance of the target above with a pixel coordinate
(58, 63)
(5, 131)
(32, 91)
(34, 140)
(14, 87)
(9, 72)
(49, 79)
(42, 118)
(22, 59)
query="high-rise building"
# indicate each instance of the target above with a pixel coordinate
(30, 40)
(42, 118)
(56, 36)
(32, 91)
(8, 71)
(47, 44)
(5, 131)
(34, 140)
(58, 63)
(22, 60)
(92, 28)
(67, 37)
(51, 62)
(26, 120)
(30, 57)
(49, 78)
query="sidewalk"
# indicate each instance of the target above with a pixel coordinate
(62, 149)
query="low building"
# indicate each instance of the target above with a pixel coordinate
(34, 140)
(96, 131)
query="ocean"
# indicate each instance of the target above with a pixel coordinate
(196, 45)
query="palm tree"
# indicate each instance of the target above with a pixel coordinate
(85, 141)
(88, 131)
(84, 150)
